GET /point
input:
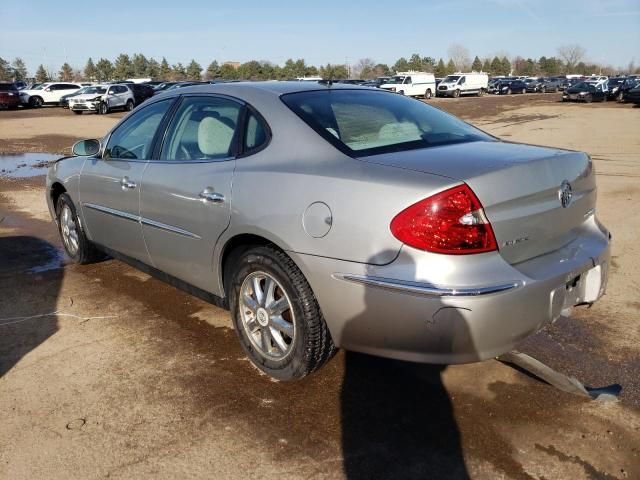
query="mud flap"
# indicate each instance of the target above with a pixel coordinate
(558, 380)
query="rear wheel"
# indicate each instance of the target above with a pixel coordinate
(481, 92)
(276, 315)
(75, 242)
(427, 94)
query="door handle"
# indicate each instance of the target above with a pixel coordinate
(125, 183)
(209, 195)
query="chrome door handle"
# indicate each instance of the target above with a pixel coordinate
(209, 195)
(125, 183)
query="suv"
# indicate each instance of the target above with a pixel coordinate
(47, 93)
(102, 99)
(9, 96)
(141, 92)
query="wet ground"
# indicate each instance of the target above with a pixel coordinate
(107, 372)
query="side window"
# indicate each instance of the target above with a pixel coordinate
(462, 79)
(111, 90)
(407, 80)
(255, 135)
(203, 128)
(132, 140)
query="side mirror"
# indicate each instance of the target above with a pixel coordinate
(86, 148)
(48, 89)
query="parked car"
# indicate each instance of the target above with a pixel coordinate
(629, 84)
(103, 99)
(64, 100)
(533, 84)
(141, 92)
(507, 87)
(412, 84)
(178, 85)
(251, 195)
(163, 86)
(633, 95)
(9, 96)
(47, 93)
(552, 84)
(585, 92)
(473, 83)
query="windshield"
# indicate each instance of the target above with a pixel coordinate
(100, 90)
(582, 85)
(451, 78)
(396, 80)
(39, 87)
(363, 123)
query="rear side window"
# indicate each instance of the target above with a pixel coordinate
(255, 135)
(364, 122)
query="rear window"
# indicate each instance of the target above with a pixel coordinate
(362, 123)
(4, 87)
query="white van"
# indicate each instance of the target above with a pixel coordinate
(474, 83)
(412, 84)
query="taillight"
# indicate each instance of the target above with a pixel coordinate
(451, 222)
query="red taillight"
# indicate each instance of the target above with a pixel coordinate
(451, 221)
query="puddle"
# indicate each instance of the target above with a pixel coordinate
(24, 165)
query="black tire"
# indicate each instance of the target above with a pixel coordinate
(556, 90)
(543, 90)
(86, 252)
(35, 102)
(481, 92)
(456, 93)
(129, 106)
(103, 109)
(312, 345)
(401, 92)
(588, 98)
(508, 91)
(77, 112)
(620, 97)
(524, 90)
(427, 94)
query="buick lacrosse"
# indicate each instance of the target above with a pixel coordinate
(327, 216)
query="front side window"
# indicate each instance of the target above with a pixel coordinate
(203, 128)
(133, 139)
(363, 123)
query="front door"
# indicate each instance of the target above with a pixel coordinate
(110, 185)
(185, 203)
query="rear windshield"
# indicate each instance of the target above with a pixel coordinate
(362, 123)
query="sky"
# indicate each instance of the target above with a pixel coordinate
(329, 31)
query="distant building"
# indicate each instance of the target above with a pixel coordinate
(235, 65)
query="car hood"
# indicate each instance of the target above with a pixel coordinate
(87, 96)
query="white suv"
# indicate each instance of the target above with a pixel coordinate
(47, 93)
(103, 99)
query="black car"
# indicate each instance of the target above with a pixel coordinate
(533, 84)
(628, 85)
(141, 92)
(64, 100)
(633, 95)
(552, 84)
(9, 95)
(507, 87)
(585, 92)
(163, 86)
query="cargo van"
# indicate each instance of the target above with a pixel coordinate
(413, 84)
(474, 83)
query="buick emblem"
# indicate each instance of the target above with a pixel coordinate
(565, 194)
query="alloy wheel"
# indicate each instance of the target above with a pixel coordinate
(69, 230)
(267, 315)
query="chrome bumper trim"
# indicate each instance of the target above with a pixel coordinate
(426, 289)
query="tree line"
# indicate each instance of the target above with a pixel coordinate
(570, 59)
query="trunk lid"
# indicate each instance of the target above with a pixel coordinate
(519, 187)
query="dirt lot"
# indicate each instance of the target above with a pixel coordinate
(106, 372)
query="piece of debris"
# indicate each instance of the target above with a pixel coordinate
(76, 424)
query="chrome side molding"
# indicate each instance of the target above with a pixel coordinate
(426, 289)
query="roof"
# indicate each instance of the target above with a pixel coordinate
(276, 87)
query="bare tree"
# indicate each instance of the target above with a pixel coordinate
(364, 68)
(571, 54)
(460, 56)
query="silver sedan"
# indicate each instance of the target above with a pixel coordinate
(328, 216)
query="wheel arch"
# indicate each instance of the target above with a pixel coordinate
(55, 191)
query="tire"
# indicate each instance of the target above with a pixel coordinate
(456, 93)
(556, 90)
(35, 102)
(543, 90)
(620, 97)
(77, 246)
(588, 98)
(129, 106)
(401, 92)
(77, 112)
(427, 94)
(481, 92)
(524, 90)
(508, 91)
(103, 109)
(306, 339)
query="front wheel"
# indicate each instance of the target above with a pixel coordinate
(35, 102)
(276, 315)
(129, 106)
(104, 108)
(508, 91)
(588, 98)
(75, 242)
(620, 97)
(524, 90)
(543, 89)
(456, 93)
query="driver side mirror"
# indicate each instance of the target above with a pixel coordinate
(86, 148)
(48, 89)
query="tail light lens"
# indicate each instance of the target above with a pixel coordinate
(451, 222)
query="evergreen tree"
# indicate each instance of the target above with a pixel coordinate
(66, 73)
(451, 67)
(41, 74)
(486, 66)
(104, 70)
(140, 65)
(178, 72)
(90, 70)
(228, 72)
(476, 66)
(402, 65)
(496, 66)
(165, 69)
(333, 72)
(19, 69)
(213, 71)
(506, 66)
(123, 68)
(194, 71)
(5, 70)
(441, 69)
(153, 69)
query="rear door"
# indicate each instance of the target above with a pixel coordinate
(185, 204)
(110, 185)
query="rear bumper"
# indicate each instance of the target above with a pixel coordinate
(454, 309)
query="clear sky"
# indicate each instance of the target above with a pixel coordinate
(49, 32)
